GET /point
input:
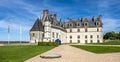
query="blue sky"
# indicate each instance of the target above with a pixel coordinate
(25, 12)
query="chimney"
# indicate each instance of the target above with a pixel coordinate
(45, 12)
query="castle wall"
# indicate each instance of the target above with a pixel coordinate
(92, 36)
(36, 36)
(58, 34)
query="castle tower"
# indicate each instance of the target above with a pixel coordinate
(47, 31)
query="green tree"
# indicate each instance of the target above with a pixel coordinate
(108, 35)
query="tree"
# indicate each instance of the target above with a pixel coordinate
(110, 35)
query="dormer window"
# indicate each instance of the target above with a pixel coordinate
(78, 24)
(67, 24)
(70, 24)
(85, 24)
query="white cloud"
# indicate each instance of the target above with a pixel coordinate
(110, 24)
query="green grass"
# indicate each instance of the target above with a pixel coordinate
(99, 49)
(115, 42)
(21, 53)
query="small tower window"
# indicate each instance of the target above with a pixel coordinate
(33, 34)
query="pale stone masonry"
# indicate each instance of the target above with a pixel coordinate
(47, 29)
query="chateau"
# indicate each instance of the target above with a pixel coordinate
(47, 29)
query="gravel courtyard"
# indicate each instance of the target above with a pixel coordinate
(72, 54)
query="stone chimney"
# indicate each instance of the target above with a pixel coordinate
(45, 12)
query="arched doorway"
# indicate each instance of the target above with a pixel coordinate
(58, 40)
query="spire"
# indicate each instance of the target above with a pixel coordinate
(99, 18)
(82, 19)
(93, 18)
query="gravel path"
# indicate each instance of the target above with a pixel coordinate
(72, 54)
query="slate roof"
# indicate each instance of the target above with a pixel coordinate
(38, 26)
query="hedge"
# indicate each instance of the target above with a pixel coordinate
(48, 43)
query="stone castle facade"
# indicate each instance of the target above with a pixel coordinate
(48, 29)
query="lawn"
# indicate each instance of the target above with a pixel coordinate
(21, 53)
(114, 42)
(99, 49)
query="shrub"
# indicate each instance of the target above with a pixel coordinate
(48, 43)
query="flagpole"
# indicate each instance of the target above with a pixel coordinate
(20, 34)
(8, 34)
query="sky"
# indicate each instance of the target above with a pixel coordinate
(23, 13)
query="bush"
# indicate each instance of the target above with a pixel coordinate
(48, 43)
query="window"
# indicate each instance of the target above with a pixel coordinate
(53, 35)
(85, 41)
(70, 37)
(53, 40)
(78, 41)
(97, 23)
(85, 24)
(98, 41)
(86, 30)
(33, 34)
(75, 24)
(91, 41)
(78, 36)
(70, 30)
(78, 30)
(97, 36)
(97, 29)
(78, 24)
(91, 36)
(70, 24)
(56, 35)
(70, 41)
(86, 36)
